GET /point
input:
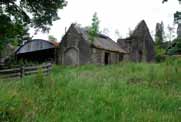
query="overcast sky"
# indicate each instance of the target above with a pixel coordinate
(114, 15)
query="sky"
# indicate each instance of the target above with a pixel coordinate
(114, 15)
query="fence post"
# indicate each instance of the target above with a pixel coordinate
(22, 71)
(48, 68)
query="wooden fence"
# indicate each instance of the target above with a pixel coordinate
(22, 71)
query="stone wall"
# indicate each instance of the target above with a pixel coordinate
(139, 45)
(98, 56)
(75, 50)
(68, 52)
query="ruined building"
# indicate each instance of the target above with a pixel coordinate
(139, 45)
(77, 49)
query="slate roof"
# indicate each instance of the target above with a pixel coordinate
(101, 41)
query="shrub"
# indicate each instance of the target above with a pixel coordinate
(160, 54)
(175, 49)
(39, 78)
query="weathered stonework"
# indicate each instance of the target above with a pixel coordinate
(77, 49)
(139, 45)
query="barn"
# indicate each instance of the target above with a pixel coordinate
(37, 50)
(77, 49)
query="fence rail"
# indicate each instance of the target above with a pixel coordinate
(22, 71)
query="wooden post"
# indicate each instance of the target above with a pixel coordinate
(22, 71)
(48, 68)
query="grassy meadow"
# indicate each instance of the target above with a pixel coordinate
(125, 92)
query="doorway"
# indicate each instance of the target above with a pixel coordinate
(140, 53)
(106, 58)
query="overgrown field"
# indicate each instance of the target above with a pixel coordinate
(124, 92)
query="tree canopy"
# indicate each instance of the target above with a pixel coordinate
(52, 38)
(16, 16)
(159, 35)
(38, 13)
(175, 48)
(94, 29)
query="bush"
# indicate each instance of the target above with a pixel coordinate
(160, 54)
(39, 78)
(175, 49)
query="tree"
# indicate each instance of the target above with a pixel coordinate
(159, 35)
(175, 49)
(10, 32)
(18, 15)
(171, 31)
(94, 29)
(177, 15)
(39, 13)
(52, 38)
(159, 42)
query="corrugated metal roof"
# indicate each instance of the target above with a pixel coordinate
(22, 48)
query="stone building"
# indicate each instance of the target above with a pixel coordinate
(77, 49)
(37, 50)
(140, 45)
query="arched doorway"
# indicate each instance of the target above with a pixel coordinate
(71, 57)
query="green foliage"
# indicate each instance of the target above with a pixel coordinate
(10, 31)
(94, 29)
(159, 36)
(160, 45)
(177, 17)
(125, 92)
(52, 38)
(10, 108)
(38, 13)
(18, 15)
(175, 49)
(160, 54)
(39, 78)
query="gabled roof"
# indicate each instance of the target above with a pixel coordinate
(101, 41)
(141, 32)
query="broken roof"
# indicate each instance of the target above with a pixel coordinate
(101, 41)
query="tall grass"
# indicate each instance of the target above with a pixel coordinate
(124, 92)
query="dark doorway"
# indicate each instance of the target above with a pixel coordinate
(140, 55)
(120, 57)
(106, 58)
